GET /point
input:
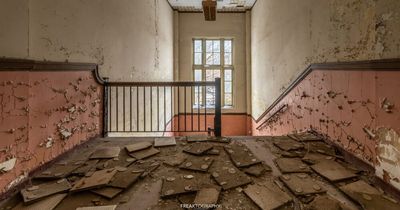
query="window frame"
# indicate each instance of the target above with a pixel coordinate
(222, 67)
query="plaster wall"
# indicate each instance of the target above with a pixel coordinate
(350, 107)
(288, 35)
(42, 115)
(131, 40)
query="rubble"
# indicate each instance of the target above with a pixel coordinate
(301, 184)
(234, 177)
(96, 180)
(333, 171)
(104, 153)
(164, 142)
(292, 165)
(267, 195)
(44, 190)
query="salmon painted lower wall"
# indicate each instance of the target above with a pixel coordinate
(359, 110)
(42, 115)
(232, 124)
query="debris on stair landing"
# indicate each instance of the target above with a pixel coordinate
(202, 172)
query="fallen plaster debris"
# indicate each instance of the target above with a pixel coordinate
(110, 207)
(369, 132)
(164, 142)
(267, 195)
(8, 165)
(32, 193)
(387, 106)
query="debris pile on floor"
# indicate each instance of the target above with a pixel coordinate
(298, 171)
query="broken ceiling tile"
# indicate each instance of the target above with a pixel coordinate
(147, 167)
(198, 148)
(187, 198)
(288, 145)
(313, 158)
(164, 141)
(58, 171)
(368, 196)
(86, 167)
(176, 185)
(293, 153)
(325, 202)
(201, 164)
(8, 165)
(125, 178)
(241, 155)
(257, 170)
(228, 176)
(292, 165)
(106, 152)
(333, 171)
(267, 195)
(305, 136)
(37, 192)
(107, 192)
(207, 195)
(142, 154)
(213, 151)
(138, 146)
(48, 203)
(110, 207)
(320, 147)
(96, 180)
(301, 184)
(174, 160)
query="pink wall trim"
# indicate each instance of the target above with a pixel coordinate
(346, 106)
(35, 106)
(232, 124)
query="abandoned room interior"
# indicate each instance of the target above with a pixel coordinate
(199, 104)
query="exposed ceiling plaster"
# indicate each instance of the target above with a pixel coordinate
(222, 5)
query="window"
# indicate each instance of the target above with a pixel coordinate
(212, 58)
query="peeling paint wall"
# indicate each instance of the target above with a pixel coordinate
(131, 40)
(42, 115)
(358, 110)
(288, 35)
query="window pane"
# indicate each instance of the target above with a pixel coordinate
(217, 74)
(198, 46)
(217, 60)
(216, 46)
(228, 75)
(228, 99)
(228, 58)
(209, 46)
(228, 45)
(209, 75)
(209, 58)
(210, 96)
(197, 75)
(228, 87)
(197, 58)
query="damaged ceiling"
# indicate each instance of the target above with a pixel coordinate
(222, 5)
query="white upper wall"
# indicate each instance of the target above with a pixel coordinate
(131, 40)
(288, 35)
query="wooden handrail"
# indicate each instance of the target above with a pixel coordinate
(155, 84)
